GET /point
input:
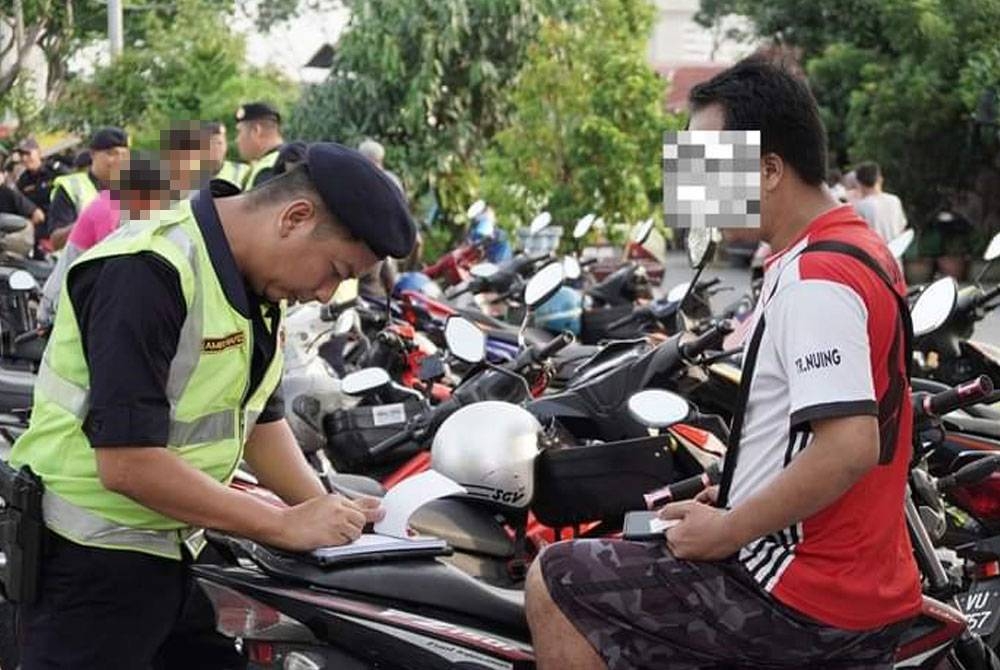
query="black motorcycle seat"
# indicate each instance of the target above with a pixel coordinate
(426, 583)
(12, 223)
(464, 526)
(355, 485)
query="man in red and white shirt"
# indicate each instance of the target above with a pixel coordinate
(803, 560)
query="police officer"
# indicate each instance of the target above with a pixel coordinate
(232, 172)
(72, 192)
(162, 377)
(258, 140)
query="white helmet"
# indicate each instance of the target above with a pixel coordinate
(489, 448)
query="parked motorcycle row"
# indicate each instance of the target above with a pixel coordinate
(560, 393)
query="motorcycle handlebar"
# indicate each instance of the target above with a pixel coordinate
(712, 339)
(392, 442)
(563, 340)
(974, 472)
(684, 489)
(962, 395)
(988, 296)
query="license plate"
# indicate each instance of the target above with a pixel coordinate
(981, 606)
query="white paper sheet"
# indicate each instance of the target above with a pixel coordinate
(408, 496)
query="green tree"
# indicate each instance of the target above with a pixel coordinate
(190, 68)
(429, 79)
(586, 133)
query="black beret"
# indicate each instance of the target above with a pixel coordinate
(253, 111)
(290, 152)
(361, 197)
(108, 138)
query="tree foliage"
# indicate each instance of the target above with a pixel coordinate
(586, 132)
(899, 82)
(427, 78)
(191, 67)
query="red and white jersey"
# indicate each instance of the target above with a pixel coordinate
(831, 347)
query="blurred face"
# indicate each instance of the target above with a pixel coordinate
(305, 261)
(713, 117)
(137, 205)
(185, 169)
(107, 163)
(32, 160)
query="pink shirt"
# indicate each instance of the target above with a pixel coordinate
(97, 220)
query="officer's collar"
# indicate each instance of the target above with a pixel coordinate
(203, 208)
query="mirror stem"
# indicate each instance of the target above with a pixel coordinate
(982, 273)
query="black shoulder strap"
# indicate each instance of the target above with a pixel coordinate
(865, 258)
(750, 358)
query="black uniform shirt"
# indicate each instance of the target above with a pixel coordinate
(130, 310)
(37, 185)
(62, 211)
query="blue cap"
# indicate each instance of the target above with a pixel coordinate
(362, 198)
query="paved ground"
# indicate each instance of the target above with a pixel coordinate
(678, 270)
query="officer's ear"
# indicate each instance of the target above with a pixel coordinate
(299, 215)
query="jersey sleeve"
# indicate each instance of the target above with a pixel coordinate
(820, 329)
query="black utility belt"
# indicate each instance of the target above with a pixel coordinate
(22, 530)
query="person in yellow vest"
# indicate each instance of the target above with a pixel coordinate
(232, 172)
(160, 378)
(72, 192)
(258, 140)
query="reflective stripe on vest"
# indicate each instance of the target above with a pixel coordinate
(79, 188)
(79, 525)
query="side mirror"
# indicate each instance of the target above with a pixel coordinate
(483, 270)
(993, 250)
(540, 223)
(656, 408)
(583, 226)
(642, 231)
(934, 306)
(465, 340)
(346, 322)
(678, 292)
(701, 243)
(20, 280)
(899, 244)
(475, 209)
(363, 381)
(571, 268)
(543, 285)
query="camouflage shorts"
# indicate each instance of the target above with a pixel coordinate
(640, 607)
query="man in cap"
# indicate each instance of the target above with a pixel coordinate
(35, 181)
(258, 139)
(233, 172)
(134, 464)
(12, 201)
(72, 192)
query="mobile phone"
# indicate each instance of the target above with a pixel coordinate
(644, 525)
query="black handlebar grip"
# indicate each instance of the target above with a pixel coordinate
(684, 489)
(391, 443)
(974, 472)
(712, 339)
(560, 342)
(989, 295)
(962, 395)
(708, 283)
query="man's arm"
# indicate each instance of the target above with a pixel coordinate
(162, 481)
(842, 451)
(275, 457)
